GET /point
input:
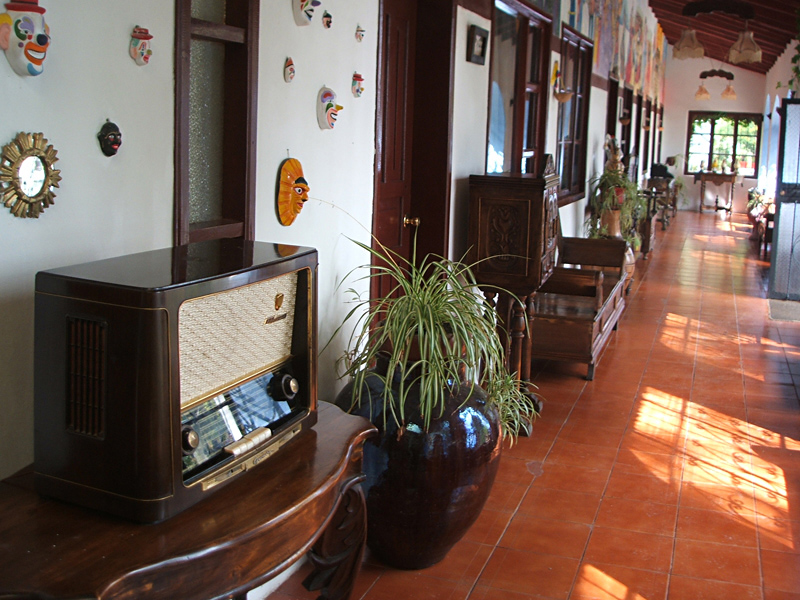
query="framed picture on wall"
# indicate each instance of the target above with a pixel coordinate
(477, 41)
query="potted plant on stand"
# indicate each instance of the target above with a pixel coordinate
(615, 205)
(426, 366)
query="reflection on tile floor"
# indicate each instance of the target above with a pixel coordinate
(675, 474)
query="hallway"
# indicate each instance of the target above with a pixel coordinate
(674, 474)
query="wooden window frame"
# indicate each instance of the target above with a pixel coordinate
(574, 148)
(757, 118)
(240, 35)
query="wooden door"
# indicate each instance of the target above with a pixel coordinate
(784, 274)
(392, 223)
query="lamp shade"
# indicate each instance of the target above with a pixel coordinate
(702, 93)
(729, 93)
(745, 49)
(688, 46)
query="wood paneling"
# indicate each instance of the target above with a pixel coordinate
(773, 25)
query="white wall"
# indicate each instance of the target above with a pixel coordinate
(683, 79)
(112, 206)
(470, 114)
(338, 163)
(104, 206)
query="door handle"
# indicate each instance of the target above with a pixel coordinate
(415, 221)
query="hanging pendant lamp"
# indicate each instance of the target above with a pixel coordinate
(688, 46)
(729, 93)
(702, 93)
(745, 49)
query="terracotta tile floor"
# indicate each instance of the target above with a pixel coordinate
(675, 474)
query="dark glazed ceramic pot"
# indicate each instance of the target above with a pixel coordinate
(424, 489)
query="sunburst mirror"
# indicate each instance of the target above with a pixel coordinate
(27, 176)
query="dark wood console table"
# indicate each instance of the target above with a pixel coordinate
(235, 540)
(716, 179)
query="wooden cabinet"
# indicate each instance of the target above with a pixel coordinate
(513, 222)
(513, 232)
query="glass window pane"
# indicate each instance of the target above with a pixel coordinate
(747, 127)
(209, 10)
(501, 117)
(531, 104)
(534, 43)
(206, 106)
(724, 126)
(701, 127)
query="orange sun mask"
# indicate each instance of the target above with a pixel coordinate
(292, 191)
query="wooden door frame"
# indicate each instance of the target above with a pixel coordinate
(431, 133)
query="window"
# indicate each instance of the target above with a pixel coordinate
(215, 118)
(576, 66)
(723, 142)
(520, 51)
(625, 121)
(646, 128)
(612, 107)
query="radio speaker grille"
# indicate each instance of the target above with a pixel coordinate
(226, 337)
(86, 376)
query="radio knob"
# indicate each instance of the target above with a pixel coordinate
(189, 440)
(285, 387)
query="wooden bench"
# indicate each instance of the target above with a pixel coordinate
(574, 312)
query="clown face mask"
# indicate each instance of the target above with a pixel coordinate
(25, 37)
(327, 109)
(139, 48)
(292, 191)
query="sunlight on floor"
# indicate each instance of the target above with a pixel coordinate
(594, 583)
(726, 463)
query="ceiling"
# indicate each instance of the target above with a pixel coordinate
(774, 24)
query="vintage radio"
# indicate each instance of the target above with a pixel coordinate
(161, 376)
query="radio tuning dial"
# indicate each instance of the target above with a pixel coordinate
(189, 440)
(286, 388)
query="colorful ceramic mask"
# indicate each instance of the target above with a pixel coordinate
(292, 191)
(327, 20)
(110, 138)
(24, 36)
(304, 10)
(360, 33)
(357, 88)
(140, 46)
(288, 70)
(327, 109)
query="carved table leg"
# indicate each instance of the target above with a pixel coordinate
(518, 330)
(527, 348)
(337, 554)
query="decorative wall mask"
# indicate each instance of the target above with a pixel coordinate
(327, 20)
(360, 33)
(27, 176)
(24, 36)
(327, 109)
(292, 191)
(357, 88)
(304, 11)
(140, 50)
(288, 70)
(110, 138)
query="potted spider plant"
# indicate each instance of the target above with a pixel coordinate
(426, 366)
